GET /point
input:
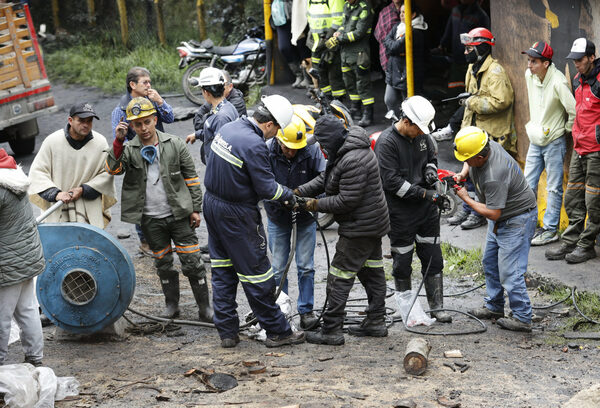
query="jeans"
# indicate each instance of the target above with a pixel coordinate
(505, 263)
(393, 99)
(551, 158)
(279, 244)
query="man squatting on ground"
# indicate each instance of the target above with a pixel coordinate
(354, 195)
(238, 175)
(22, 258)
(408, 167)
(510, 206)
(294, 163)
(161, 192)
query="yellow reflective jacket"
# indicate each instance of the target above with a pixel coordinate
(324, 18)
(491, 105)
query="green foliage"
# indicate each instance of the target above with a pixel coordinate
(106, 68)
(459, 262)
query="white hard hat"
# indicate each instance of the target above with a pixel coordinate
(420, 112)
(211, 76)
(280, 108)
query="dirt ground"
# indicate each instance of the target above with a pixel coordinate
(505, 369)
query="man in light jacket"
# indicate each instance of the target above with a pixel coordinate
(551, 116)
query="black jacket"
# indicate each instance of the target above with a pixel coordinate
(402, 164)
(353, 189)
(396, 69)
(236, 98)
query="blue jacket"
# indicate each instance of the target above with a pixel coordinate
(305, 166)
(238, 168)
(224, 113)
(164, 114)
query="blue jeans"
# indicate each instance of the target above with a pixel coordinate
(550, 157)
(505, 263)
(279, 244)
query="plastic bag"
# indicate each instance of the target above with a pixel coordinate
(278, 12)
(285, 304)
(417, 315)
(28, 387)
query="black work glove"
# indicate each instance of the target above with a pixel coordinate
(431, 176)
(291, 204)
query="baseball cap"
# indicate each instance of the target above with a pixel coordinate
(83, 110)
(581, 47)
(539, 49)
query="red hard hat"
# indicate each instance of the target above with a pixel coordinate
(477, 36)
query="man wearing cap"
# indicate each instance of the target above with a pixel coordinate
(582, 199)
(238, 175)
(161, 192)
(551, 115)
(353, 194)
(408, 167)
(509, 205)
(294, 163)
(212, 82)
(70, 167)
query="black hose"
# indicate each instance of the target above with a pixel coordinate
(573, 297)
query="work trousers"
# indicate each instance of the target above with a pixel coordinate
(354, 257)
(159, 233)
(415, 224)
(356, 70)
(583, 198)
(329, 65)
(238, 252)
(19, 301)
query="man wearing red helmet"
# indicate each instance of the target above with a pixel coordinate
(490, 105)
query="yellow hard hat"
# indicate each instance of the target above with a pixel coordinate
(293, 135)
(139, 107)
(469, 141)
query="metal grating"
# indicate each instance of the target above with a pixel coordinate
(79, 287)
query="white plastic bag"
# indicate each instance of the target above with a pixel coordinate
(285, 304)
(417, 315)
(29, 387)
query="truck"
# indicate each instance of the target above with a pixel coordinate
(25, 91)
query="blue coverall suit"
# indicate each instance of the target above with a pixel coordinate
(238, 175)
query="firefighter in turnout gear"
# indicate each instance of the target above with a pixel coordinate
(161, 192)
(324, 18)
(238, 175)
(353, 39)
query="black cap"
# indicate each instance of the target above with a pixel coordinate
(83, 110)
(582, 47)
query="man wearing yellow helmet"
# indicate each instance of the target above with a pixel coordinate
(161, 192)
(509, 204)
(294, 163)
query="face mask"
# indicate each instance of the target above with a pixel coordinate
(472, 57)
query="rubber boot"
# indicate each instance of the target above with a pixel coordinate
(402, 285)
(333, 319)
(434, 288)
(170, 288)
(306, 79)
(367, 116)
(295, 68)
(200, 291)
(370, 327)
(355, 110)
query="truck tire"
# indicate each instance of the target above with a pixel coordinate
(22, 147)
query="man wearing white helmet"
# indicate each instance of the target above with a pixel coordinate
(212, 82)
(238, 175)
(408, 168)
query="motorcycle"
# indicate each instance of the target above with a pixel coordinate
(245, 62)
(309, 114)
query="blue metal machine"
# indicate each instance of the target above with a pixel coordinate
(89, 278)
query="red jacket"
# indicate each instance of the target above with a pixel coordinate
(586, 128)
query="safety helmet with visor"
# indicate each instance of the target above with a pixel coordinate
(469, 141)
(420, 112)
(477, 36)
(139, 107)
(293, 136)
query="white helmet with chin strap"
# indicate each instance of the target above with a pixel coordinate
(280, 108)
(420, 112)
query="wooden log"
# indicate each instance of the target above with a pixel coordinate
(415, 357)
(200, 16)
(91, 6)
(160, 25)
(123, 21)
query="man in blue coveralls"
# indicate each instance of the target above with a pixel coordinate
(238, 175)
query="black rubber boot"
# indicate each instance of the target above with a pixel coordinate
(355, 110)
(295, 68)
(370, 327)
(367, 116)
(200, 291)
(434, 288)
(334, 338)
(170, 288)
